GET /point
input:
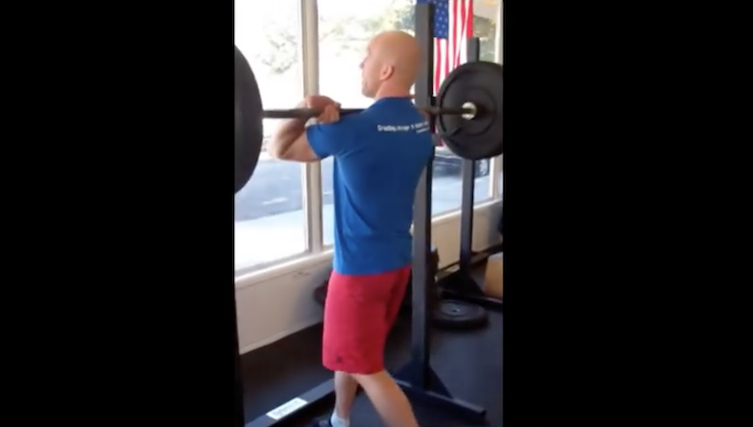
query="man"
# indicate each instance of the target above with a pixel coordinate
(379, 156)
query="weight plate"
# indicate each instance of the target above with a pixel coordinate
(320, 294)
(249, 133)
(479, 83)
(456, 314)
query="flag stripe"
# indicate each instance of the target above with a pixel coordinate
(453, 26)
(450, 42)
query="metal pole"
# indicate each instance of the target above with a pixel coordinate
(496, 165)
(312, 172)
(420, 346)
(468, 187)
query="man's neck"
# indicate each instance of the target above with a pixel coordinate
(392, 92)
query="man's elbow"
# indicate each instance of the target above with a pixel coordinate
(278, 153)
(273, 148)
(297, 150)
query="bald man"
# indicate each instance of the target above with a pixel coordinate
(379, 156)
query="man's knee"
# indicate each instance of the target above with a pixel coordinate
(352, 352)
(344, 375)
(375, 377)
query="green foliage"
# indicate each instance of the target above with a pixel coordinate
(282, 43)
(281, 49)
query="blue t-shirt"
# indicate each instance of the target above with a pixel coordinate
(379, 156)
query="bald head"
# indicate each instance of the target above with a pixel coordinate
(391, 65)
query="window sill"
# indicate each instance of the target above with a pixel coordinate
(307, 260)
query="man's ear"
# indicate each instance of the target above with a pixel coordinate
(387, 72)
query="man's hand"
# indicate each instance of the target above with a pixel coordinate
(290, 142)
(317, 101)
(330, 108)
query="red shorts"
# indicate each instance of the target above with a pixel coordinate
(358, 314)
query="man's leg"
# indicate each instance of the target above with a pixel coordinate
(353, 343)
(340, 315)
(345, 391)
(388, 399)
(346, 384)
(386, 396)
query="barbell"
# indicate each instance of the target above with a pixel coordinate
(468, 111)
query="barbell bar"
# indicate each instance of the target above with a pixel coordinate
(468, 110)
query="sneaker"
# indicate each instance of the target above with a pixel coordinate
(324, 422)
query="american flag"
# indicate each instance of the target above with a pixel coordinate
(453, 26)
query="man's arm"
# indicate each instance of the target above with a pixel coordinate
(295, 142)
(290, 141)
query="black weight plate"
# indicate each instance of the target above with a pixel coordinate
(456, 314)
(249, 132)
(320, 294)
(433, 267)
(481, 84)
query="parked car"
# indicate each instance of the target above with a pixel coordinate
(447, 162)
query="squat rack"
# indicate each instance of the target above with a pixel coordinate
(457, 281)
(417, 378)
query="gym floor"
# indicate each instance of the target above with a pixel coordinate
(468, 362)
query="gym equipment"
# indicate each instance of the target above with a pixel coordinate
(445, 314)
(248, 139)
(248, 125)
(457, 282)
(459, 315)
(432, 268)
(479, 138)
(320, 293)
(468, 111)
(418, 379)
(469, 108)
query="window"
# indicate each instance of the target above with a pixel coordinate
(269, 222)
(500, 191)
(447, 181)
(345, 28)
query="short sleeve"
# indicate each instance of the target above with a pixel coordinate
(333, 139)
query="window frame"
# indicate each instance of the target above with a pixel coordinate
(315, 251)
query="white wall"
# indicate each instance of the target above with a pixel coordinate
(273, 306)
